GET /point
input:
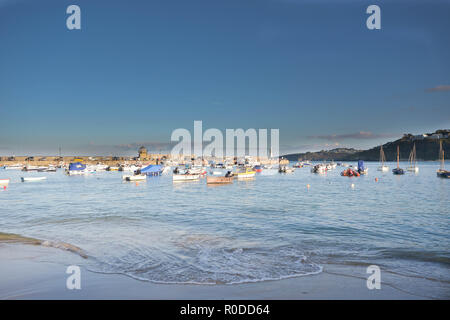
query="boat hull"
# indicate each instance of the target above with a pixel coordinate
(443, 174)
(31, 179)
(219, 180)
(185, 177)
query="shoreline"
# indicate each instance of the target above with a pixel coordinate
(30, 272)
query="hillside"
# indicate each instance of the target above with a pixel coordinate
(427, 148)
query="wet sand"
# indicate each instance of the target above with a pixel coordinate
(29, 272)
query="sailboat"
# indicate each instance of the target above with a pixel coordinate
(382, 168)
(412, 160)
(442, 173)
(398, 170)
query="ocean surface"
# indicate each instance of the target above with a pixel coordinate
(269, 228)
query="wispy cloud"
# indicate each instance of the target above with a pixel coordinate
(439, 88)
(362, 135)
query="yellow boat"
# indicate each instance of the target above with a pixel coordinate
(248, 173)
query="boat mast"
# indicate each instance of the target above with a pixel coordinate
(398, 157)
(414, 154)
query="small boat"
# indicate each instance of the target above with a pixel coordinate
(298, 165)
(76, 168)
(247, 174)
(29, 179)
(382, 168)
(350, 173)
(398, 170)
(412, 161)
(166, 170)
(151, 170)
(30, 168)
(138, 177)
(4, 182)
(285, 169)
(257, 168)
(361, 168)
(185, 177)
(441, 172)
(14, 167)
(319, 168)
(219, 180)
(112, 169)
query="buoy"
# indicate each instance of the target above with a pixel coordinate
(353, 186)
(4, 187)
(376, 179)
(307, 186)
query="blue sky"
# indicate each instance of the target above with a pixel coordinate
(139, 69)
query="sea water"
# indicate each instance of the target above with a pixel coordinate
(269, 228)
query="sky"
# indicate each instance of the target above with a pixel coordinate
(139, 69)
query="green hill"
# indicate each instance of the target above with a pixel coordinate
(427, 148)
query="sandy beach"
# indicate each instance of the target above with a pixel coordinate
(28, 272)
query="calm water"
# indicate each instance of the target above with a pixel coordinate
(270, 228)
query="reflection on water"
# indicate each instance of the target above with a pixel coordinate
(270, 227)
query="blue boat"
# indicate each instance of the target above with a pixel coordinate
(361, 168)
(151, 170)
(76, 168)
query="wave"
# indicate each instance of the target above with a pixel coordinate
(15, 238)
(208, 262)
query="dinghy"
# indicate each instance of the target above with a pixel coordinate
(138, 177)
(218, 180)
(185, 177)
(30, 179)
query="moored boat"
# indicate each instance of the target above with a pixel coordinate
(412, 161)
(361, 168)
(30, 179)
(398, 170)
(257, 168)
(138, 177)
(76, 168)
(185, 177)
(218, 180)
(247, 174)
(286, 169)
(441, 172)
(4, 182)
(383, 167)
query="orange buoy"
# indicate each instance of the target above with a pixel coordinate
(307, 186)
(376, 179)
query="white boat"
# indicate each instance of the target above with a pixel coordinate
(185, 177)
(4, 182)
(412, 161)
(30, 168)
(319, 168)
(29, 179)
(14, 167)
(382, 168)
(197, 170)
(166, 170)
(138, 177)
